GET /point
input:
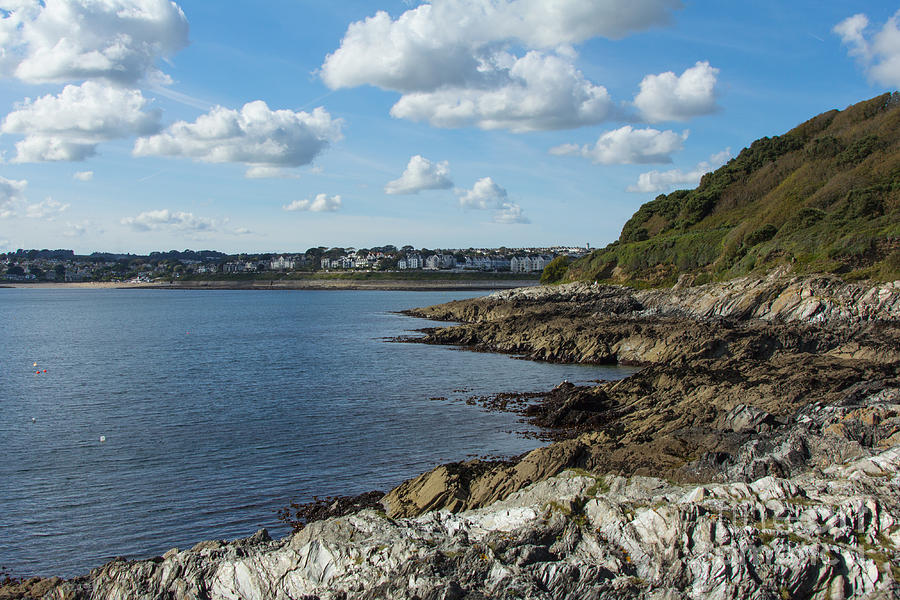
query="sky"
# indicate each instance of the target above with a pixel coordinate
(141, 125)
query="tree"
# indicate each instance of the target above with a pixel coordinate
(15, 270)
(555, 270)
(387, 264)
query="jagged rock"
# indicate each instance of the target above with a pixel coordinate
(571, 535)
(754, 456)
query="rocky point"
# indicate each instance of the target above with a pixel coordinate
(756, 454)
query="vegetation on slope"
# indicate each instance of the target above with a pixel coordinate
(824, 197)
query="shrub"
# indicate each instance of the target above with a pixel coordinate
(555, 270)
(763, 234)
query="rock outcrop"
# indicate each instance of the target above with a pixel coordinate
(755, 455)
(824, 535)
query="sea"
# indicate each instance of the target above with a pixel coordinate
(133, 421)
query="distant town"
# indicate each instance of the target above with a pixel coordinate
(66, 266)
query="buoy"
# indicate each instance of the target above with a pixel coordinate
(45, 370)
(34, 365)
(102, 439)
(33, 420)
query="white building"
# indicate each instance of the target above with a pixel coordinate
(283, 263)
(412, 261)
(528, 264)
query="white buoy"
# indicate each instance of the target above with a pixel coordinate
(33, 420)
(102, 439)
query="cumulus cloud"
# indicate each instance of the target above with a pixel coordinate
(48, 209)
(265, 140)
(70, 125)
(669, 97)
(450, 61)
(487, 195)
(37, 148)
(83, 175)
(484, 194)
(421, 174)
(321, 203)
(446, 42)
(654, 182)
(510, 213)
(878, 53)
(11, 191)
(536, 92)
(69, 40)
(155, 220)
(627, 146)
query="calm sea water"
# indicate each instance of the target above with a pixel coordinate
(218, 407)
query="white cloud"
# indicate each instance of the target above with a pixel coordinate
(70, 125)
(321, 203)
(484, 194)
(261, 172)
(446, 42)
(81, 229)
(536, 92)
(851, 31)
(661, 181)
(265, 140)
(627, 146)
(421, 174)
(450, 61)
(68, 40)
(48, 209)
(510, 213)
(83, 175)
(11, 191)
(38, 148)
(878, 54)
(668, 97)
(487, 195)
(154, 220)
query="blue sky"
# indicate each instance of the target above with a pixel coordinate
(141, 125)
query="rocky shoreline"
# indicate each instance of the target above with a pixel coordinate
(756, 454)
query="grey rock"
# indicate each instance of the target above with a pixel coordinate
(818, 535)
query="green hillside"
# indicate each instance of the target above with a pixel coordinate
(824, 197)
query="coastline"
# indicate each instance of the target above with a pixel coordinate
(397, 285)
(764, 428)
